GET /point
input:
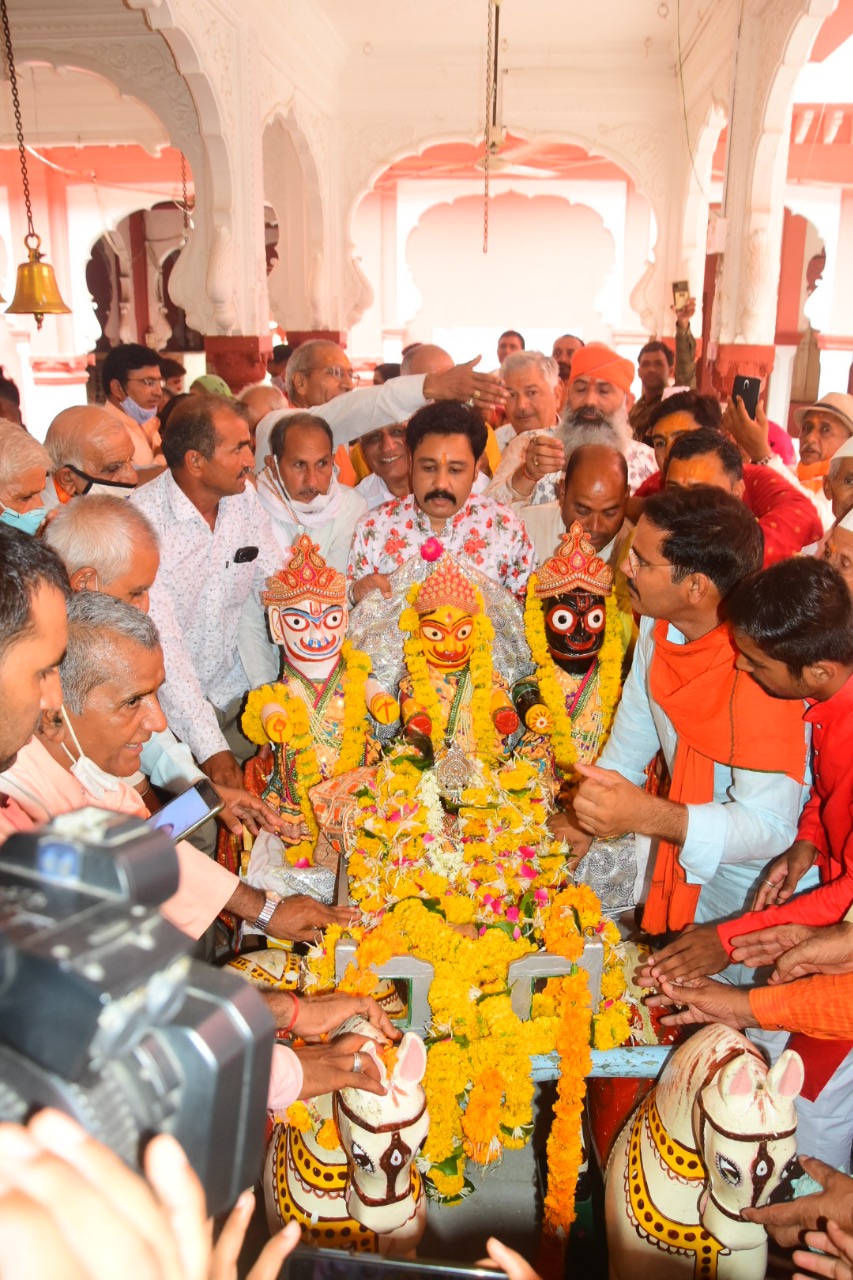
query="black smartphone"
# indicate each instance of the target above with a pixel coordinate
(307, 1262)
(245, 555)
(187, 811)
(680, 294)
(748, 389)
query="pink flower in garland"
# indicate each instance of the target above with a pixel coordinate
(432, 550)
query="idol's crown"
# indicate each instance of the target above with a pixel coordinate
(575, 567)
(447, 585)
(305, 576)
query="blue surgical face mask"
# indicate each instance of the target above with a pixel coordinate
(23, 521)
(135, 411)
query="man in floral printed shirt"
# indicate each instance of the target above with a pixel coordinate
(445, 440)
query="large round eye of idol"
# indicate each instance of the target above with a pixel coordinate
(333, 618)
(561, 619)
(595, 618)
(295, 621)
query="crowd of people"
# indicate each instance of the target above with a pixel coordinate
(135, 547)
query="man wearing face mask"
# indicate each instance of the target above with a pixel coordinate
(90, 452)
(24, 465)
(133, 386)
(300, 492)
(84, 751)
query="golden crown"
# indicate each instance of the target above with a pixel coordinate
(447, 585)
(305, 575)
(575, 567)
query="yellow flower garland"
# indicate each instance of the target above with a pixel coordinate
(307, 773)
(478, 1084)
(609, 676)
(480, 668)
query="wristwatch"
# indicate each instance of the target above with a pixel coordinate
(266, 912)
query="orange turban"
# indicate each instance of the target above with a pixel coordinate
(599, 362)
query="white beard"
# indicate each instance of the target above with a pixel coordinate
(613, 430)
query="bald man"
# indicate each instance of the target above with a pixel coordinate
(259, 401)
(595, 493)
(91, 452)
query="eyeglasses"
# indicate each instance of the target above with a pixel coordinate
(636, 563)
(338, 371)
(150, 383)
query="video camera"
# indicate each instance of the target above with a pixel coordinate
(104, 1015)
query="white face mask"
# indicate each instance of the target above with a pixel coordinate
(91, 776)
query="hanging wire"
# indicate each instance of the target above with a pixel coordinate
(491, 91)
(19, 127)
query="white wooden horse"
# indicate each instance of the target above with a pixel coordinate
(713, 1137)
(365, 1195)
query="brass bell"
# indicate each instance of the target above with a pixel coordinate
(36, 291)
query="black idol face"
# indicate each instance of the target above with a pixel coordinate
(574, 628)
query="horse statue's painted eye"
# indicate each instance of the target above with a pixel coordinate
(361, 1157)
(728, 1170)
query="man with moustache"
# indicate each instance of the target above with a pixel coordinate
(736, 756)
(300, 492)
(824, 428)
(217, 550)
(444, 442)
(531, 380)
(595, 414)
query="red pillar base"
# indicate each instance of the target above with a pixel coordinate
(296, 337)
(735, 358)
(241, 360)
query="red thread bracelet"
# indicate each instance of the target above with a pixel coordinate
(286, 1030)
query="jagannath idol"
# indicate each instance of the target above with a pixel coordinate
(575, 635)
(315, 715)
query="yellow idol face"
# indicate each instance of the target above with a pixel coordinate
(447, 635)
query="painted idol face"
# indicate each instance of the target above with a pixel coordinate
(310, 633)
(447, 636)
(574, 628)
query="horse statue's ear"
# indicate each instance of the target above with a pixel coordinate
(737, 1082)
(785, 1078)
(411, 1060)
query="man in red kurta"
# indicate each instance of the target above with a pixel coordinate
(788, 519)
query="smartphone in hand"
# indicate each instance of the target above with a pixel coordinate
(748, 389)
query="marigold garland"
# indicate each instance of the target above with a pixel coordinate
(478, 1080)
(300, 742)
(609, 676)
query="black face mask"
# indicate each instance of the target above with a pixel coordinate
(574, 628)
(113, 488)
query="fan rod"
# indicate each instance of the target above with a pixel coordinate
(495, 64)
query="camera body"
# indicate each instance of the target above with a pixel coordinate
(104, 1015)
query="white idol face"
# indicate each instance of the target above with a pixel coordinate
(311, 633)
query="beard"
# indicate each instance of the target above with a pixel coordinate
(583, 426)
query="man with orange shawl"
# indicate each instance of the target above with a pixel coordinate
(736, 756)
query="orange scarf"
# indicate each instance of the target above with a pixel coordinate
(811, 474)
(719, 715)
